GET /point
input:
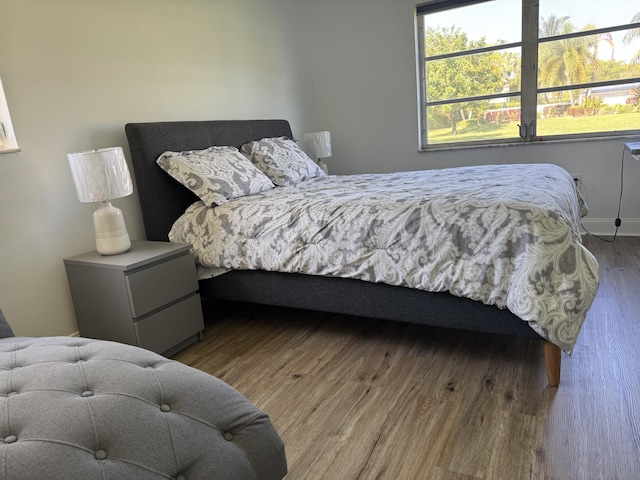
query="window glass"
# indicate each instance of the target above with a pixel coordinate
(586, 15)
(579, 59)
(605, 110)
(473, 75)
(490, 22)
(582, 76)
(583, 59)
(474, 121)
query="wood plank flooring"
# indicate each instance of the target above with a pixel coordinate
(355, 398)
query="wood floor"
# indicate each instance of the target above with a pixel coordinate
(355, 398)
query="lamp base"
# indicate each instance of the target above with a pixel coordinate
(323, 165)
(112, 237)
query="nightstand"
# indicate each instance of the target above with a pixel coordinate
(147, 296)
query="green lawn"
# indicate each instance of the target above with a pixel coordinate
(546, 126)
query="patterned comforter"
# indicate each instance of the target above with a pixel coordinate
(506, 235)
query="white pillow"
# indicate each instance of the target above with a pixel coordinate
(216, 175)
(284, 162)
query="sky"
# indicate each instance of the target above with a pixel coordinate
(494, 20)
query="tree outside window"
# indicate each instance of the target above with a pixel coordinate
(577, 79)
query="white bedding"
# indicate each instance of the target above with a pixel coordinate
(505, 235)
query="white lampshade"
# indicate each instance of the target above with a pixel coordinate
(318, 144)
(100, 176)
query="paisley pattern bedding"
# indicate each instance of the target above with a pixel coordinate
(506, 235)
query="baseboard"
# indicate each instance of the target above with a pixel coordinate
(630, 227)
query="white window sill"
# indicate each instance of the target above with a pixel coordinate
(10, 150)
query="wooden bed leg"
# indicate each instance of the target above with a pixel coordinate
(552, 360)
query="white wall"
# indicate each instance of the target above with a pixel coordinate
(75, 71)
(363, 61)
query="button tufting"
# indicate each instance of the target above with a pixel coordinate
(164, 381)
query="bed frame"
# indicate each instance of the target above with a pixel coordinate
(163, 200)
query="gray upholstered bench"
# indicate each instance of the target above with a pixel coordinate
(74, 408)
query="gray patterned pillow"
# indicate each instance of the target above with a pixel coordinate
(284, 162)
(216, 175)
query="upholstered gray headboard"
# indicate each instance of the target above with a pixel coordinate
(162, 199)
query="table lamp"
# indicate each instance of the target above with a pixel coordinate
(318, 146)
(101, 176)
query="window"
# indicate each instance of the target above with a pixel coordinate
(8, 142)
(502, 71)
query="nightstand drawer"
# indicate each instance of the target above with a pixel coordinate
(155, 287)
(170, 326)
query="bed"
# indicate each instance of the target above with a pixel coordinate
(569, 280)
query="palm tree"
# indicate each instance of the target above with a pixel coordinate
(567, 61)
(553, 26)
(631, 35)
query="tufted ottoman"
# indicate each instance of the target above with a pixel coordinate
(74, 408)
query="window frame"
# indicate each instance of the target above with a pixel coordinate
(8, 142)
(529, 89)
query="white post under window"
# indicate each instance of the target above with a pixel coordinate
(8, 143)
